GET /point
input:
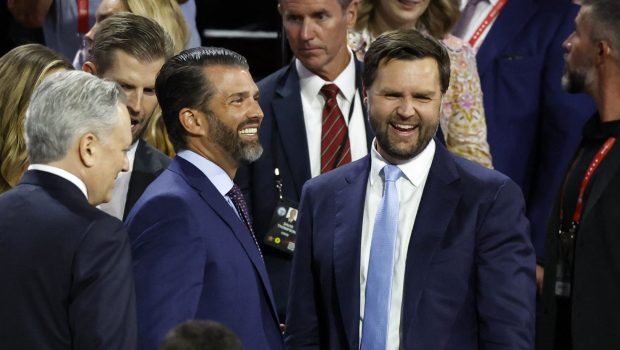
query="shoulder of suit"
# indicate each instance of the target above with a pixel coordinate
(269, 82)
(155, 154)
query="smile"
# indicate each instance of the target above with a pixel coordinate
(248, 131)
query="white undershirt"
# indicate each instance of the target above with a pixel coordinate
(62, 173)
(410, 189)
(116, 206)
(312, 103)
(483, 8)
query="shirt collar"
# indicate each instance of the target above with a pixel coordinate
(415, 170)
(212, 171)
(311, 83)
(62, 173)
(464, 3)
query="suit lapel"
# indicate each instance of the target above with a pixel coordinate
(437, 206)
(289, 120)
(216, 201)
(606, 172)
(512, 18)
(350, 199)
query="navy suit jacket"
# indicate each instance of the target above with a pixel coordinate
(65, 268)
(283, 136)
(194, 258)
(469, 276)
(533, 126)
(147, 165)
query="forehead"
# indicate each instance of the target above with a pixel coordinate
(109, 7)
(126, 67)
(228, 80)
(408, 74)
(308, 7)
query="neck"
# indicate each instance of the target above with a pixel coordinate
(606, 96)
(218, 156)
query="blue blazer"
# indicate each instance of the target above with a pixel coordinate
(469, 277)
(193, 258)
(65, 268)
(533, 126)
(283, 136)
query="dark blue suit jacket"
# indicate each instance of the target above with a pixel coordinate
(533, 125)
(469, 278)
(283, 136)
(65, 268)
(193, 258)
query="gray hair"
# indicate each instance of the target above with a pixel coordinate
(604, 21)
(66, 106)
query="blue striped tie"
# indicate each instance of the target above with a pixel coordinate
(381, 265)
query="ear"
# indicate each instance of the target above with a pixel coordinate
(351, 13)
(191, 121)
(89, 67)
(88, 145)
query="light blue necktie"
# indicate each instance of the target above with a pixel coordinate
(381, 265)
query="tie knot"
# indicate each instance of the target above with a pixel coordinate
(391, 173)
(235, 193)
(329, 91)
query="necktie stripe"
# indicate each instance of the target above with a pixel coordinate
(334, 132)
(236, 196)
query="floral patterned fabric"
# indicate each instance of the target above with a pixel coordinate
(462, 115)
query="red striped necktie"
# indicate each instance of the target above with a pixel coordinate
(335, 146)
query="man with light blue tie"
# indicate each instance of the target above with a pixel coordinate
(411, 247)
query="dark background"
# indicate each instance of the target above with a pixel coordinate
(264, 55)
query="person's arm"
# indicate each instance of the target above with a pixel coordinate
(168, 263)
(505, 263)
(302, 321)
(102, 310)
(463, 119)
(29, 13)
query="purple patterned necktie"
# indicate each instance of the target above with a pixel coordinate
(236, 196)
(468, 12)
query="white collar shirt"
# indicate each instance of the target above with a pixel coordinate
(62, 173)
(116, 206)
(410, 188)
(483, 8)
(312, 105)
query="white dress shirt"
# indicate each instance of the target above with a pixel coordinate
(313, 102)
(410, 188)
(116, 206)
(218, 177)
(483, 8)
(62, 173)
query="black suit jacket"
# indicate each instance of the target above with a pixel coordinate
(280, 100)
(65, 268)
(147, 165)
(596, 278)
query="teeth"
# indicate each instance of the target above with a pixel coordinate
(404, 127)
(248, 131)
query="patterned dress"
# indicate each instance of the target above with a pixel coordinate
(462, 114)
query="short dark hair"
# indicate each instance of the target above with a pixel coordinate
(343, 3)
(201, 335)
(605, 20)
(138, 36)
(182, 83)
(405, 44)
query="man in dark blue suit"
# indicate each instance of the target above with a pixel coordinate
(533, 125)
(195, 255)
(65, 265)
(292, 130)
(440, 259)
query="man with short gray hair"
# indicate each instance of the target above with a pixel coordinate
(65, 265)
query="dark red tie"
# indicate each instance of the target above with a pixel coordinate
(236, 196)
(335, 147)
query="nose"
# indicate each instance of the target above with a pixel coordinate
(90, 35)
(125, 164)
(134, 102)
(567, 44)
(256, 112)
(307, 31)
(406, 108)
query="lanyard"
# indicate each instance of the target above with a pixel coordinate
(487, 21)
(82, 12)
(600, 155)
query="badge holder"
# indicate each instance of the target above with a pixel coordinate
(282, 233)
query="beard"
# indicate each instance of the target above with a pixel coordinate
(229, 140)
(402, 153)
(574, 82)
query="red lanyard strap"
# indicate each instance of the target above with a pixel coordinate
(487, 21)
(82, 12)
(598, 159)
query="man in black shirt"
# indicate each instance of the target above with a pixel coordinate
(581, 289)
